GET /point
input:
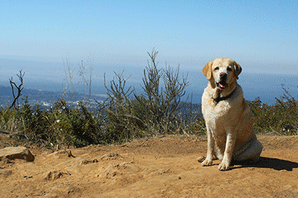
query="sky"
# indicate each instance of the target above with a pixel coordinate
(39, 37)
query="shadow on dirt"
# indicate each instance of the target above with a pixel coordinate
(265, 162)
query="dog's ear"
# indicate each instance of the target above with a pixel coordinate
(237, 69)
(207, 70)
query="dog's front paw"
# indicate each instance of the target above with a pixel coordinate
(223, 166)
(206, 162)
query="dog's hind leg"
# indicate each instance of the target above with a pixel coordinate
(251, 152)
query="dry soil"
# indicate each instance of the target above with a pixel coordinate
(157, 167)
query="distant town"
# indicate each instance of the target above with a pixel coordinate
(45, 99)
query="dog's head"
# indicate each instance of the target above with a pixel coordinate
(222, 72)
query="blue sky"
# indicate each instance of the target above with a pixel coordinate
(260, 35)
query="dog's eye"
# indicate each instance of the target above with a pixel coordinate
(216, 68)
(229, 68)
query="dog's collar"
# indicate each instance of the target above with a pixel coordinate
(218, 99)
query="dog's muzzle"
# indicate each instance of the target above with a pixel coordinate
(222, 82)
(222, 85)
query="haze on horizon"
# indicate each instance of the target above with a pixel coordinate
(40, 36)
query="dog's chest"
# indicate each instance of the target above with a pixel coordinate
(217, 114)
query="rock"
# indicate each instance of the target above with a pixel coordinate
(85, 161)
(111, 172)
(62, 154)
(5, 173)
(201, 159)
(52, 175)
(111, 156)
(16, 153)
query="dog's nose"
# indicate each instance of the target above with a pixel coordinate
(222, 74)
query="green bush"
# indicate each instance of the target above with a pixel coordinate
(75, 126)
(153, 112)
(279, 119)
(8, 120)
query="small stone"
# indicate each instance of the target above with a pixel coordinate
(89, 161)
(201, 159)
(69, 190)
(179, 177)
(52, 175)
(5, 172)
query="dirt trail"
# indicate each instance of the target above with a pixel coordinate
(157, 167)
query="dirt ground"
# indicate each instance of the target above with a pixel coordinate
(157, 167)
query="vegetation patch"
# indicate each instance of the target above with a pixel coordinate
(124, 115)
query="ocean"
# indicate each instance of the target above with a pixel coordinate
(267, 87)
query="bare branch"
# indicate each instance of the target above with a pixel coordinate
(18, 87)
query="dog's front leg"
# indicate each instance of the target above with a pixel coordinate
(210, 149)
(230, 143)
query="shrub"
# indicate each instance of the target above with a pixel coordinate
(281, 118)
(153, 112)
(75, 126)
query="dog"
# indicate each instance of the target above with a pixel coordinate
(230, 134)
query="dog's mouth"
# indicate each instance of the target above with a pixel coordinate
(221, 85)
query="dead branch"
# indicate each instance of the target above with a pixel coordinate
(18, 87)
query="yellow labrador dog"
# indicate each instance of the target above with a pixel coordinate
(227, 115)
